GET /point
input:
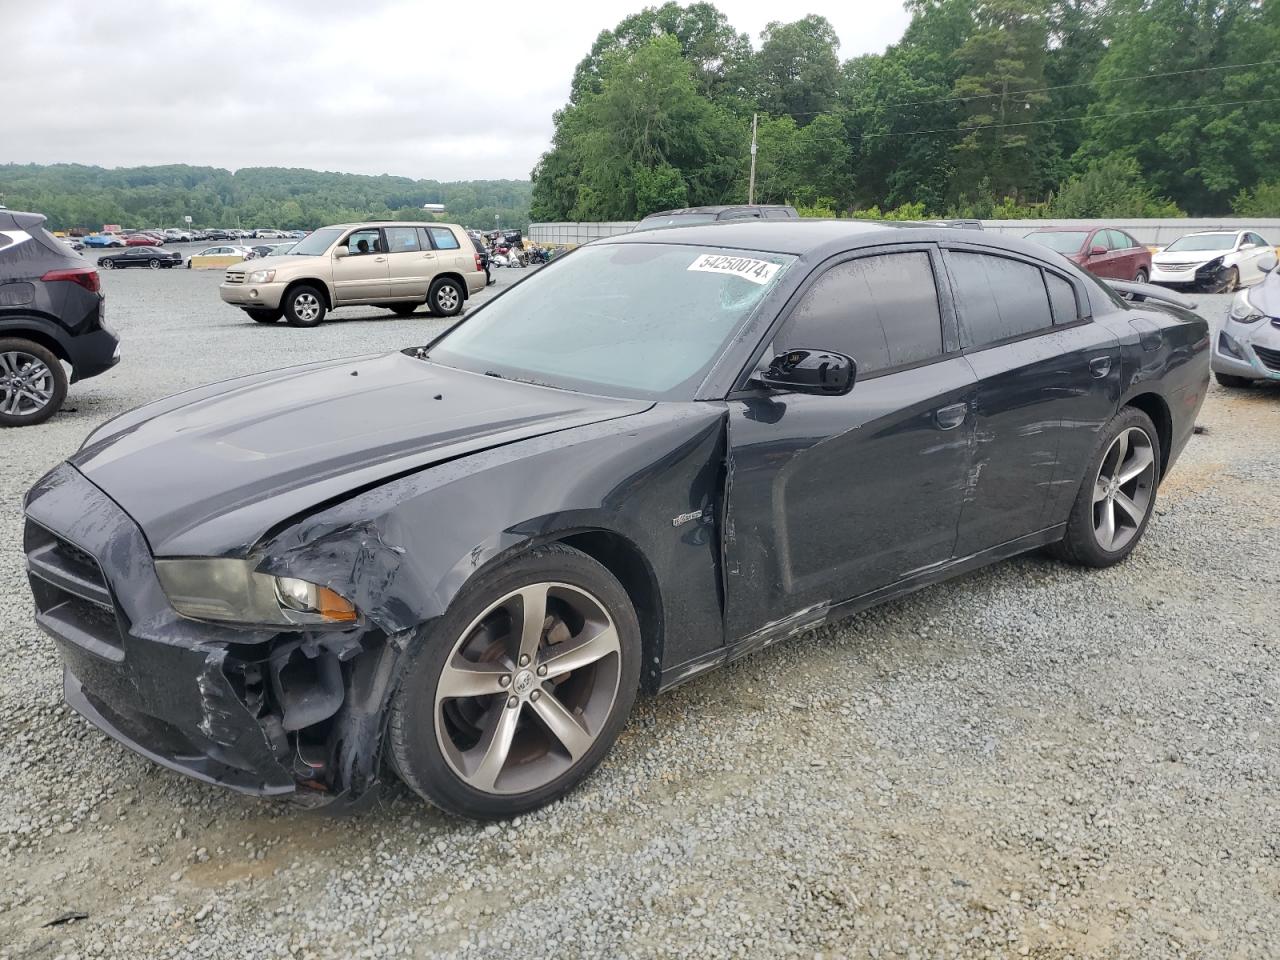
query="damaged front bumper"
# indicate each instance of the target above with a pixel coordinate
(261, 711)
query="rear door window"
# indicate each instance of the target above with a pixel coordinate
(442, 238)
(402, 240)
(1062, 299)
(882, 311)
(997, 298)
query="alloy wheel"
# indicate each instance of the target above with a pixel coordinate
(528, 688)
(26, 384)
(447, 298)
(306, 306)
(1123, 489)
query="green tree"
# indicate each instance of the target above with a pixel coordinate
(647, 137)
(716, 52)
(798, 68)
(1003, 63)
(1110, 188)
(1201, 135)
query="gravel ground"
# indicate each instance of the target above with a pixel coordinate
(1031, 761)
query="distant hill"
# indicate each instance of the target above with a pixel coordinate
(73, 195)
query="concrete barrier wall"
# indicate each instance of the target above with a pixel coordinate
(1155, 233)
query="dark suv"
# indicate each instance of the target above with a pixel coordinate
(51, 308)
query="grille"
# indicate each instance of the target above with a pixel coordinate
(236, 276)
(71, 594)
(1269, 358)
(1176, 267)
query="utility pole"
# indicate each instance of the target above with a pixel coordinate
(751, 184)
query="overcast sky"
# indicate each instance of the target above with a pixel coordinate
(419, 88)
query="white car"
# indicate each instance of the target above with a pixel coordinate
(1218, 260)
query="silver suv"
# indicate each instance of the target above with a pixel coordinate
(400, 266)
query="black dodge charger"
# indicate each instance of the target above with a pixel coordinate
(663, 451)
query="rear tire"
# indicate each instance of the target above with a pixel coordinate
(32, 383)
(1141, 276)
(492, 753)
(1232, 382)
(1128, 442)
(304, 306)
(446, 298)
(153, 264)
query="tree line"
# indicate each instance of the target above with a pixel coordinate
(74, 195)
(984, 108)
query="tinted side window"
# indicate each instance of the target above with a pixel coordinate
(1062, 297)
(1116, 240)
(740, 215)
(364, 242)
(442, 238)
(402, 239)
(882, 311)
(777, 215)
(998, 298)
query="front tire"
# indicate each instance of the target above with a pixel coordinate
(107, 263)
(1232, 382)
(1117, 495)
(153, 264)
(404, 309)
(264, 316)
(304, 306)
(32, 383)
(446, 298)
(517, 693)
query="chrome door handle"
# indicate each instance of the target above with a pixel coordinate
(950, 417)
(1099, 367)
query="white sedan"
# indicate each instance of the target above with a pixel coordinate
(1219, 260)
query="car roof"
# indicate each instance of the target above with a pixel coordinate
(1216, 233)
(821, 238)
(392, 223)
(18, 220)
(719, 209)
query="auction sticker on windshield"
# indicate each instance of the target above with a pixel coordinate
(757, 271)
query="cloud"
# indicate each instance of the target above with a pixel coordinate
(426, 90)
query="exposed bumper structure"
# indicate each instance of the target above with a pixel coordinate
(261, 712)
(1249, 351)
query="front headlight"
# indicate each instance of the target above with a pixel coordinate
(215, 588)
(1242, 311)
(262, 276)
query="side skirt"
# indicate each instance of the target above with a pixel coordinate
(819, 614)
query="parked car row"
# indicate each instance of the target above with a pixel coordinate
(1216, 261)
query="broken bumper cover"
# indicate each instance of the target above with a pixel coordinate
(201, 699)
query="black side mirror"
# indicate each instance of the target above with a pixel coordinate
(811, 371)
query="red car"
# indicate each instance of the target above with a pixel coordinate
(141, 240)
(1103, 251)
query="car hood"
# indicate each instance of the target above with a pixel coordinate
(273, 263)
(1188, 256)
(1265, 296)
(208, 472)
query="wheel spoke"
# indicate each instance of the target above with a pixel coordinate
(1107, 532)
(495, 746)
(461, 678)
(8, 363)
(563, 725)
(1121, 452)
(1136, 464)
(1128, 506)
(1099, 490)
(533, 600)
(573, 654)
